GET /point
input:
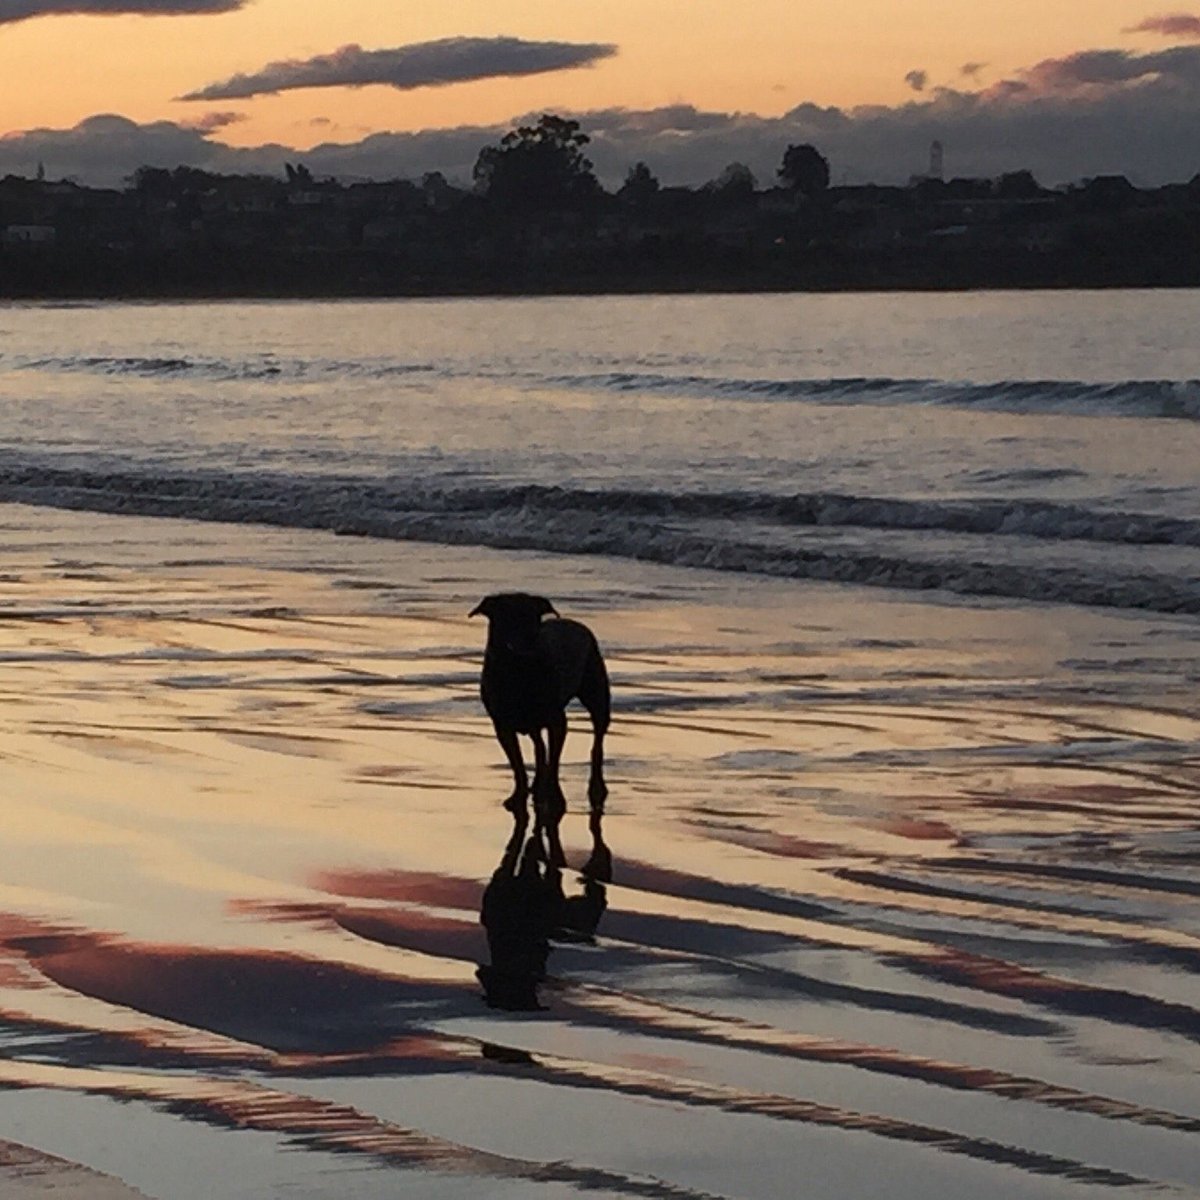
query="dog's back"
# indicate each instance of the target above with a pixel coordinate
(524, 691)
(570, 647)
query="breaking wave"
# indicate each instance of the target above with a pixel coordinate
(742, 531)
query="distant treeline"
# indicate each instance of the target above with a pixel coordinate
(536, 219)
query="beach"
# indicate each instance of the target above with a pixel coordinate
(901, 896)
(894, 892)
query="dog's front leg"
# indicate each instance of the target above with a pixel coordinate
(512, 751)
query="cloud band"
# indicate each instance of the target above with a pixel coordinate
(422, 64)
(12, 11)
(1180, 25)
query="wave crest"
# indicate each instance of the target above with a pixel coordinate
(1146, 398)
(733, 531)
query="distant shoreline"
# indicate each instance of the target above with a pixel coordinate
(185, 234)
(568, 288)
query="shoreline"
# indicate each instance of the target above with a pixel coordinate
(900, 579)
(202, 295)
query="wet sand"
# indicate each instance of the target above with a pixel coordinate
(902, 894)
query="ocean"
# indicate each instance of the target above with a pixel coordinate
(1038, 446)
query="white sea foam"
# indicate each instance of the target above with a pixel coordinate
(726, 532)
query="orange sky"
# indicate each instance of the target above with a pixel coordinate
(762, 56)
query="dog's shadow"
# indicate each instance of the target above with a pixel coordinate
(525, 908)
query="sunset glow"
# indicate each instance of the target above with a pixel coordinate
(763, 58)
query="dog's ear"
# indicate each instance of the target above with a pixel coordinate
(482, 608)
(544, 607)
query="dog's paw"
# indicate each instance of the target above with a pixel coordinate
(597, 793)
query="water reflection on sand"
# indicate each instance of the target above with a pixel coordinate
(899, 891)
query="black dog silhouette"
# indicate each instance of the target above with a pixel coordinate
(532, 669)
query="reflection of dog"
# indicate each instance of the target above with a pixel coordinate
(580, 915)
(518, 912)
(532, 669)
(524, 909)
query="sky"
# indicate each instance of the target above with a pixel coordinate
(372, 88)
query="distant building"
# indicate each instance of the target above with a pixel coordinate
(936, 172)
(306, 198)
(29, 235)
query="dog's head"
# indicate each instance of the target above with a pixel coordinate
(514, 618)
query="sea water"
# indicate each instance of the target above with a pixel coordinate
(1042, 446)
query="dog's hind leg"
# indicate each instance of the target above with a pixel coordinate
(596, 696)
(597, 788)
(539, 780)
(512, 751)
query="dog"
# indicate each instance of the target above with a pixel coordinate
(532, 669)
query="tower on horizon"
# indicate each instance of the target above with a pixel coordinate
(936, 164)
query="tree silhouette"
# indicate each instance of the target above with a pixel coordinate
(640, 186)
(1112, 193)
(538, 166)
(1018, 185)
(735, 182)
(805, 170)
(151, 181)
(437, 192)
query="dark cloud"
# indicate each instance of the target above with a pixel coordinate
(1180, 25)
(104, 149)
(1142, 124)
(422, 64)
(1094, 113)
(971, 70)
(917, 80)
(1104, 69)
(211, 122)
(24, 10)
